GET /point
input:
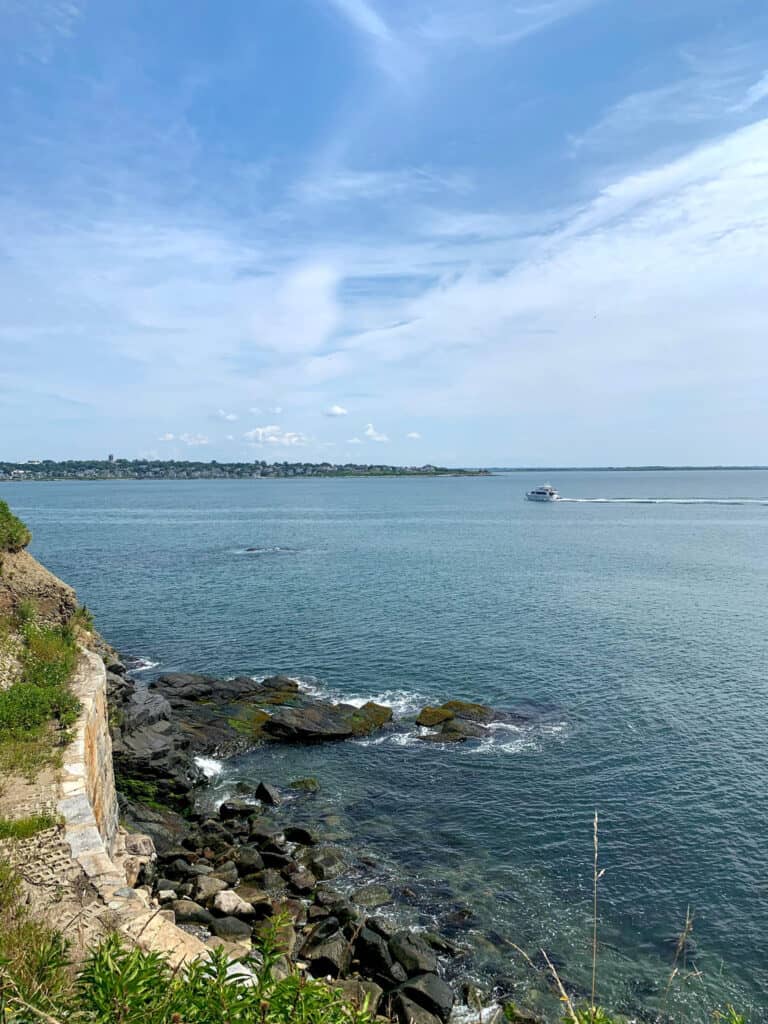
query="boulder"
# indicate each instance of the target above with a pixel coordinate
(326, 950)
(360, 992)
(248, 860)
(300, 834)
(230, 928)
(373, 953)
(413, 953)
(300, 879)
(232, 905)
(227, 872)
(470, 711)
(188, 912)
(406, 1011)
(270, 880)
(431, 993)
(206, 887)
(268, 794)
(430, 717)
(235, 809)
(463, 729)
(317, 721)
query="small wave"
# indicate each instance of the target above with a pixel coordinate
(396, 739)
(209, 766)
(463, 1014)
(273, 550)
(141, 665)
(402, 702)
(666, 501)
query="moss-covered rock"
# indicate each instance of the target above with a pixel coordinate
(431, 716)
(469, 710)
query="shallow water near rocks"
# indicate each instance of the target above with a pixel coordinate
(635, 629)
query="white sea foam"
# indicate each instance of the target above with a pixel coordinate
(209, 766)
(462, 1014)
(143, 665)
(666, 501)
(402, 702)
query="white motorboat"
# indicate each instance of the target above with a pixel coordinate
(544, 493)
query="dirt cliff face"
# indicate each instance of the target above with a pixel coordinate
(23, 578)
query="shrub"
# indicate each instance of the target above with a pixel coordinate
(14, 535)
(25, 828)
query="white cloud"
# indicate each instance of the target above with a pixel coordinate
(274, 435)
(354, 440)
(392, 54)
(230, 417)
(229, 437)
(755, 94)
(297, 313)
(373, 435)
(277, 410)
(335, 410)
(194, 440)
(167, 437)
(414, 435)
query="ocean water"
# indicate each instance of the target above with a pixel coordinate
(634, 630)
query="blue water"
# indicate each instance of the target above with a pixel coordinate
(637, 629)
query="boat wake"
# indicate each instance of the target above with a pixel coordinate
(665, 501)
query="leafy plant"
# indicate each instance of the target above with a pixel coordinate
(14, 534)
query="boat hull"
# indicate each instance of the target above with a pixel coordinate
(541, 497)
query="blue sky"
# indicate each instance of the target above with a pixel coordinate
(465, 232)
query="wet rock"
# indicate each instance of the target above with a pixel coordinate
(318, 721)
(406, 1011)
(307, 785)
(268, 794)
(262, 834)
(300, 879)
(431, 993)
(470, 711)
(430, 716)
(372, 895)
(326, 949)
(279, 861)
(324, 862)
(373, 953)
(461, 729)
(198, 870)
(188, 912)
(232, 905)
(231, 928)
(300, 834)
(285, 935)
(236, 809)
(413, 953)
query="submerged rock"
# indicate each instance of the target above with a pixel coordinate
(308, 785)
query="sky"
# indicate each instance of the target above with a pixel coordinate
(465, 232)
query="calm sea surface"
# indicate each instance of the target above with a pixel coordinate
(636, 631)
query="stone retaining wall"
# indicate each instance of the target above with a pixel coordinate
(109, 858)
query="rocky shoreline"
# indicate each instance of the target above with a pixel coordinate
(243, 870)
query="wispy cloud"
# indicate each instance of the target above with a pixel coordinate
(194, 440)
(230, 417)
(414, 435)
(390, 52)
(336, 410)
(754, 95)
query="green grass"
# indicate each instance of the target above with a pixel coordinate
(38, 709)
(14, 535)
(25, 828)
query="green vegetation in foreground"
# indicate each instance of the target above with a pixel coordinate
(14, 535)
(25, 828)
(117, 985)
